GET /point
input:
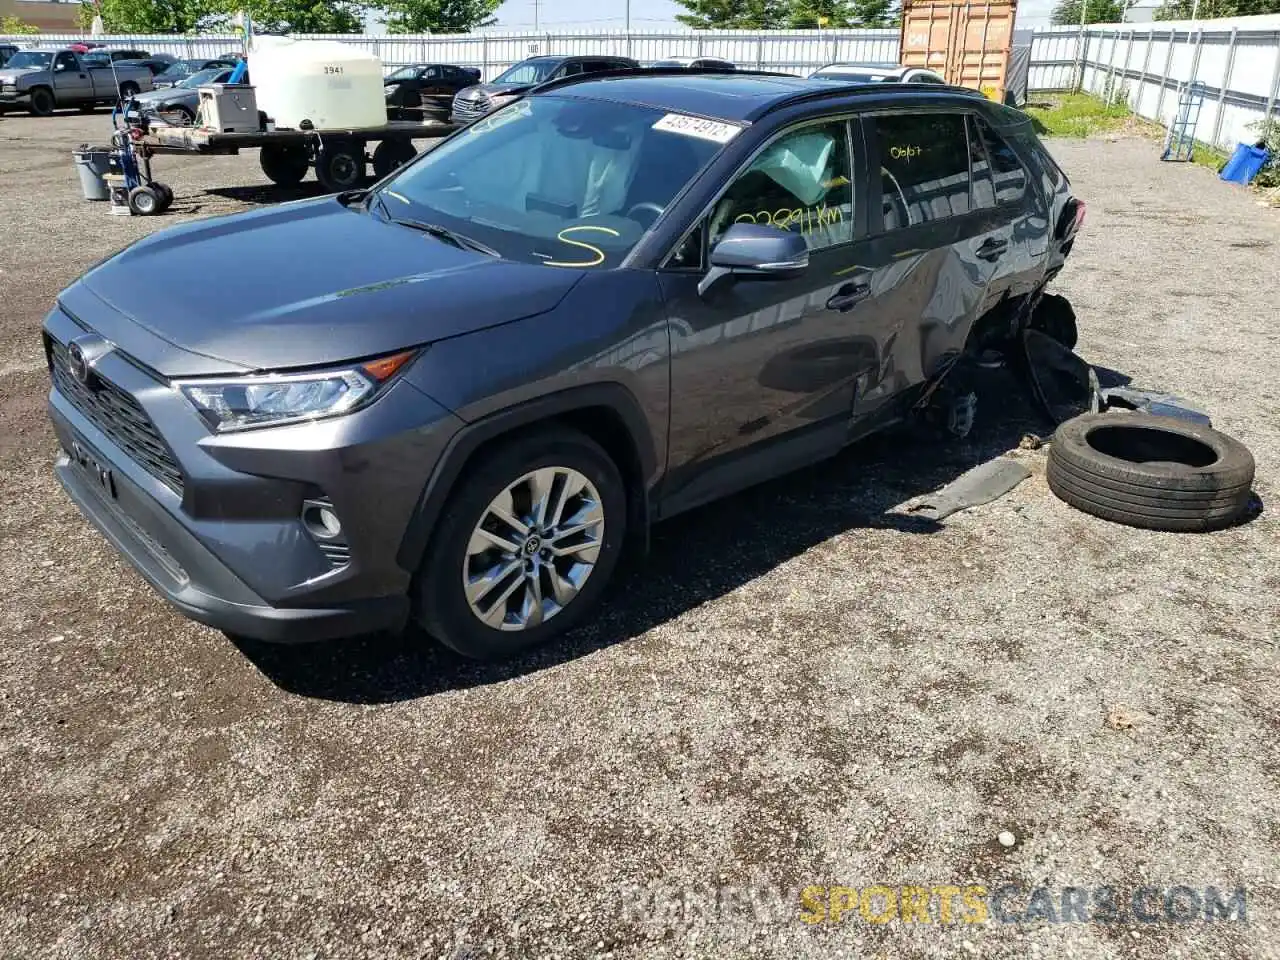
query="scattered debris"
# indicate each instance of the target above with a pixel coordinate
(1154, 402)
(982, 484)
(1007, 839)
(1126, 718)
(1030, 441)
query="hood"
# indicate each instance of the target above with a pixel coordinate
(165, 94)
(305, 284)
(492, 89)
(10, 75)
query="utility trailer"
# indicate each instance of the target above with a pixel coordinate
(338, 156)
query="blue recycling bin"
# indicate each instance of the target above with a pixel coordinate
(1244, 164)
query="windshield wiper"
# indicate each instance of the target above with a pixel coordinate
(459, 240)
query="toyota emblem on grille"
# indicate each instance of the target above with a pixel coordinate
(83, 353)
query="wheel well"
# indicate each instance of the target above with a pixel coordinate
(601, 422)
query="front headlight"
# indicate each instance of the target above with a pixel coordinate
(241, 403)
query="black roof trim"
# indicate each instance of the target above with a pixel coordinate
(866, 90)
(653, 72)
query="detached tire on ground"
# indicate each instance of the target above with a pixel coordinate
(1160, 473)
(525, 545)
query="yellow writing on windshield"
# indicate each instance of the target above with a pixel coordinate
(810, 219)
(905, 153)
(596, 254)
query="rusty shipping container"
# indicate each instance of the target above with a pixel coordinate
(967, 43)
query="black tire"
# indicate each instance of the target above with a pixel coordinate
(42, 102)
(443, 609)
(129, 89)
(1160, 473)
(284, 164)
(166, 194)
(1055, 317)
(340, 165)
(145, 201)
(391, 154)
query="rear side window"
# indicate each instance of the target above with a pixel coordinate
(924, 168)
(1008, 174)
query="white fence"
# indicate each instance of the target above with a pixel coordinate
(1145, 64)
(792, 51)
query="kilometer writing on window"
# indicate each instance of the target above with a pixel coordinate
(905, 153)
(809, 219)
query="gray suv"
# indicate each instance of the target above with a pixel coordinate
(459, 395)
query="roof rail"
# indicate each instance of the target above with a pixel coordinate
(656, 72)
(824, 92)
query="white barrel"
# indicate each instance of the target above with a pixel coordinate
(317, 84)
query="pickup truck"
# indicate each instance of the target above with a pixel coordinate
(43, 80)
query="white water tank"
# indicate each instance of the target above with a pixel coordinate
(317, 84)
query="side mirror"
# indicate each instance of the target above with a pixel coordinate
(754, 251)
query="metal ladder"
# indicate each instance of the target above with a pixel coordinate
(1180, 138)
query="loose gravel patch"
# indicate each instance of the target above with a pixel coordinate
(797, 688)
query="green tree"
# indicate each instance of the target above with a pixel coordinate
(13, 26)
(735, 14)
(438, 16)
(837, 14)
(1067, 12)
(1213, 9)
(190, 16)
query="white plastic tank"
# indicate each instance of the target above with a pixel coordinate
(317, 84)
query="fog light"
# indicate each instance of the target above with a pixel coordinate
(321, 520)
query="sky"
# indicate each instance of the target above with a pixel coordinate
(653, 14)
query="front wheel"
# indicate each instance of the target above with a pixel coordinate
(42, 102)
(525, 546)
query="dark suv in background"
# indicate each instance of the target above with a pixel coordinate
(458, 395)
(476, 101)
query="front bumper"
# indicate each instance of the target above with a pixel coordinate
(215, 522)
(13, 98)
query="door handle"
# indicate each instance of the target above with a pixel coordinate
(992, 249)
(848, 296)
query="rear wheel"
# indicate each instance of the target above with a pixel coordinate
(340, 165)
(178, 115)
(391, 154)
(527, 543)
(42, 102)
(285, 164)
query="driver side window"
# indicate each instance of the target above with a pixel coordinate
(801, 182)
(65, 62)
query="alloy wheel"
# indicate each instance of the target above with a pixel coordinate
(533, 549)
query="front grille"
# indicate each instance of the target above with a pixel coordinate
(467, 110)
(119, 416)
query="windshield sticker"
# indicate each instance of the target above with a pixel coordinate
(596, 254)
(715, 130)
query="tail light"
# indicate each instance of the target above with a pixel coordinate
(1080, 208)
(1071, 219)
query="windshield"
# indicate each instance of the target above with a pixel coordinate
(29, 58)
(203, 77)
(565, 183)
(533, 70)
(178, 70)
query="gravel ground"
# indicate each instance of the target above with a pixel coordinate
(797, 688)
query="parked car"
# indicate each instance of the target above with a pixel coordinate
(43, 80)
(7, 50)
(694, 63)
(84, 46)
(179, 70)
(157, 63)
(641, 293)
(474, 102)
(107, 54)
(876, 73)
(426, 89)
(177, 105)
